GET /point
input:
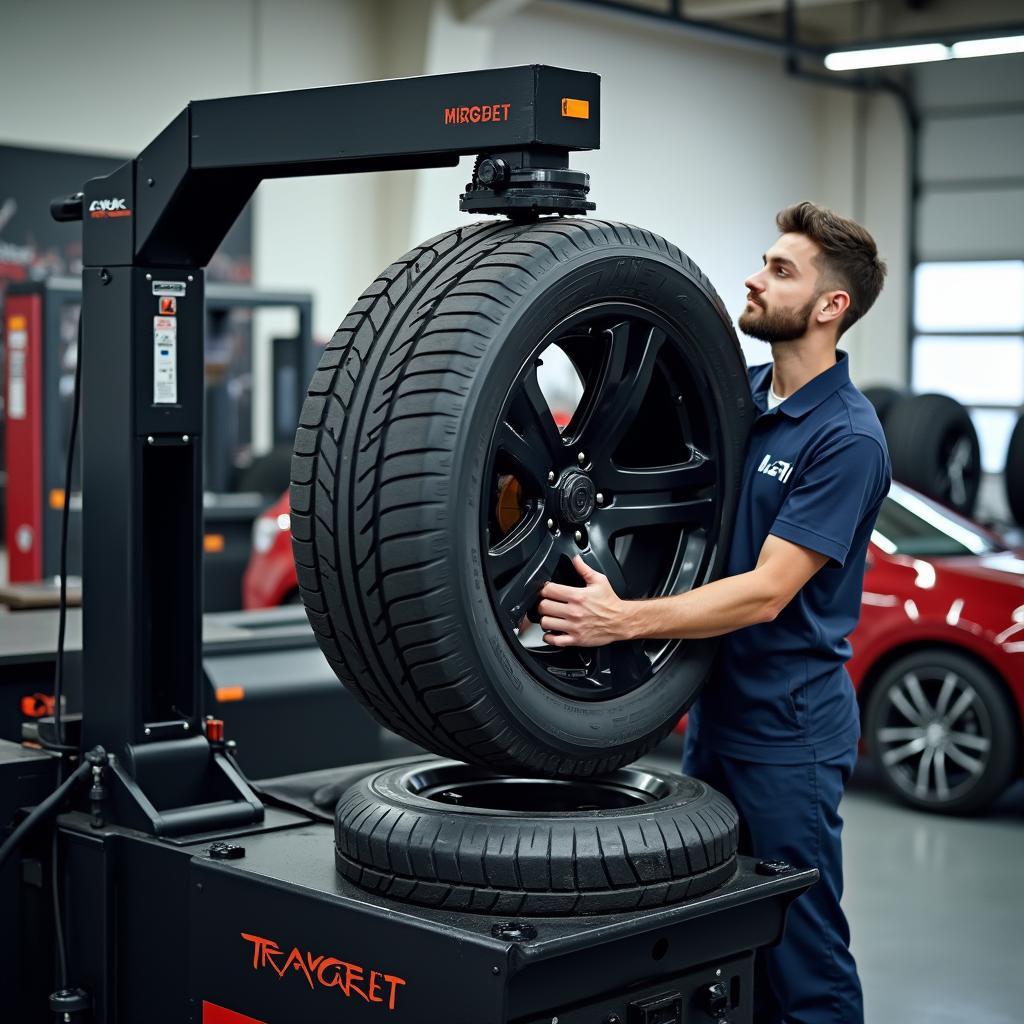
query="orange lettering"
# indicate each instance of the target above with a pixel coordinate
(394, 983)
(375, 987)
(326, 971)
(505, 107)
(451, 115)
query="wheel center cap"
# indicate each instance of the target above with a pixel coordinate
(576, 495)
(935, 734)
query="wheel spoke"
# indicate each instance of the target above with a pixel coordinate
(913, 686)
(946, 694)
(602, 558)
(897, 735)
(898, 754)
(968, 739)
(941, 781)
(519, 594)
(620, 665)
(530, 418)
(972, 764)
(634, 513)
(963, 702)
(534, 458)
(905, 708)
(698, 471)
(621, 387)
(923, 772)
(513, 551)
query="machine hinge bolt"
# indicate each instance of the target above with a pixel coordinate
(150, 182)
(718, 973)
(581, 458)
(191, 278)
(551, 524)
(105, 277)
(149, 439)
(551, 476)
(184, 438)
(148, 731)
(599, 498)
(184, 726)
(579, 536)
(149, 277)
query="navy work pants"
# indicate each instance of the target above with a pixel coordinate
(790, 812)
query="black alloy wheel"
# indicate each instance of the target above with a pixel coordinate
(942, 732)
(628, 483)
(433, 493)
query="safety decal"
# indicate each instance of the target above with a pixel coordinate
(325, 972)
(103, 208)
(165, 360)
(169, 288)
(17, 344)
(168, 305)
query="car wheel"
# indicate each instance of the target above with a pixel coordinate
(942, 732)
(433, 494)
(452, 835)
(934, 448)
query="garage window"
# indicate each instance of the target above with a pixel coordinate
(969, 343)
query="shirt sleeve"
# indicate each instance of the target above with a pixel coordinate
(833, 495)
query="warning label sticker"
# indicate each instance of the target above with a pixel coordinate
(165, 360)
(168, 287)
(17, 396)
(168, 305)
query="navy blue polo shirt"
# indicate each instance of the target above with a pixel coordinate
(815, 473)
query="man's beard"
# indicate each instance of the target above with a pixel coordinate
(776, 325)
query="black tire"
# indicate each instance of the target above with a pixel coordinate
(934, 449)
(392, 838)
(976, 755)
(1013, 474)
(390, 490)
(883, 397)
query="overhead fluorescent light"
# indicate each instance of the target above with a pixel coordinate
(886, 56)
(988, 47)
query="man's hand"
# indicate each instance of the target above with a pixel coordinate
(588, 616)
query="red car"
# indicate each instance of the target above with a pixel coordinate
(938, 656)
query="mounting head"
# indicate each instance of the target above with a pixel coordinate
(524, 184)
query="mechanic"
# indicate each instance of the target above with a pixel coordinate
(776, 727)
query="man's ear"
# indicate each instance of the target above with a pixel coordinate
(831, 306)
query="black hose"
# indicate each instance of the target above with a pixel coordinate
(58, 680)
(42, 811)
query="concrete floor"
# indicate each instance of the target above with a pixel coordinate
(935, 904)
(936, 908)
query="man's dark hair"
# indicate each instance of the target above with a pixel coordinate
(849, 259)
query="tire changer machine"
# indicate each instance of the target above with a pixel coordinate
(182, 892)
